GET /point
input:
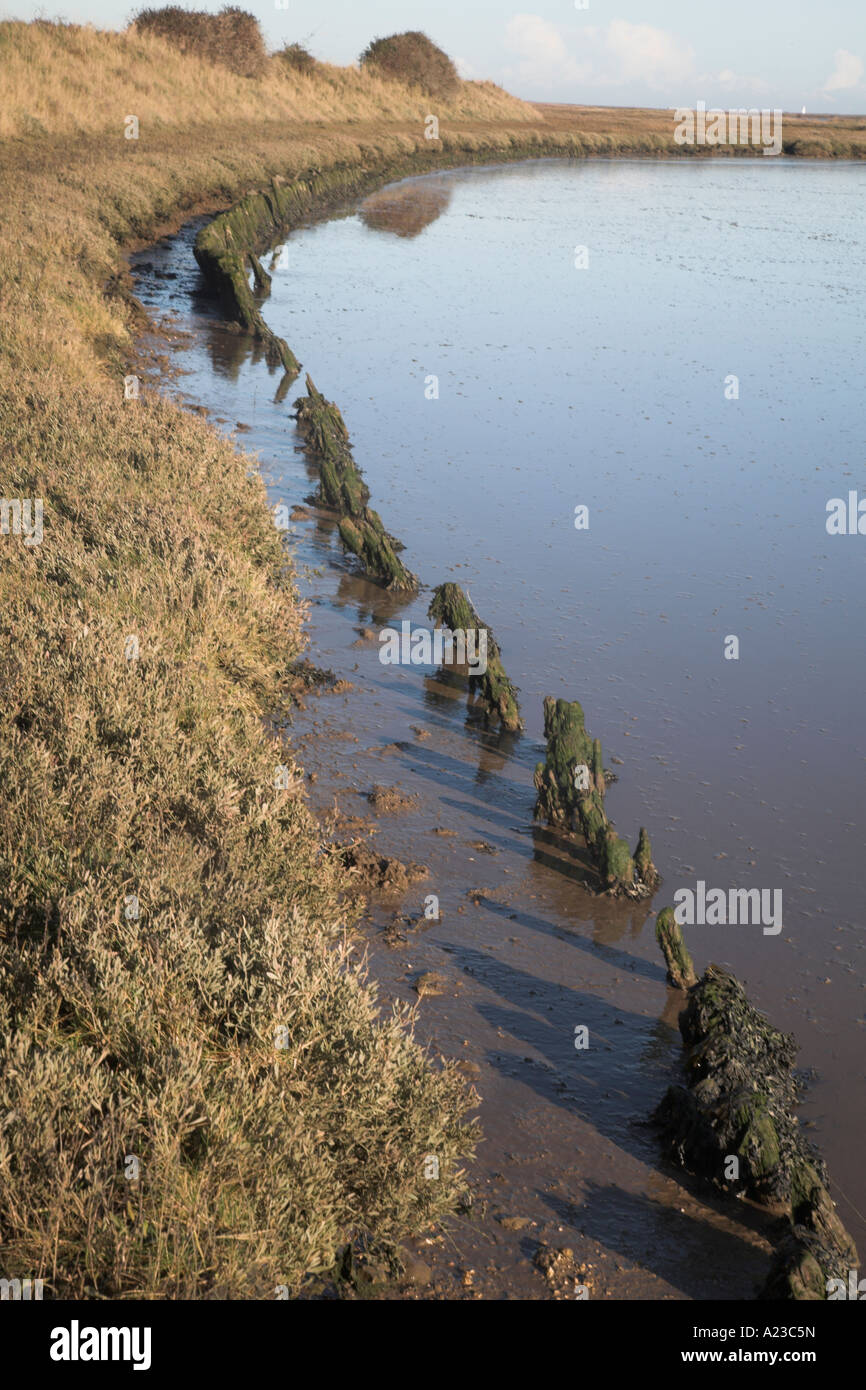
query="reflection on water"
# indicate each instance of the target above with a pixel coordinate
(406, 209)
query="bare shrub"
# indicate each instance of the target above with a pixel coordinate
(231, 38)
(297, 58)
(415, 60)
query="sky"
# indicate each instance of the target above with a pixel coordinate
(766, 53)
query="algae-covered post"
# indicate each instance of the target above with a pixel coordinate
(342, 488)
(570, 785)
(450, 608)
(681, 971)
(324, 432)
(367, 538)
(222, 249)
(734, 1125)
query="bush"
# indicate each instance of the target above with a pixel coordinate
(231, 38)
(296, 57)
(413, 59)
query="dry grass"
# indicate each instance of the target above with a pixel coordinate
(165, 908)
(64, 80)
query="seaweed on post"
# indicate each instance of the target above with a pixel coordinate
(451, 609)
(681, 970)
(324, 432)
(570, 786)
(738, 1104)
(343, 490)
(261, 278)
(222, 249)
(367, 538)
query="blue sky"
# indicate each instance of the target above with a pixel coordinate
(787, 53)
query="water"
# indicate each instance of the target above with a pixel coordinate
(607, 387)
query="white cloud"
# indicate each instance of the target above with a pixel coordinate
(543, 56)
(619, 54)
(847, 73)
(728, 85)
(644, 54)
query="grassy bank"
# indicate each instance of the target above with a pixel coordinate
(199, 1094)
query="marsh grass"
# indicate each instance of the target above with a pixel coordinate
(621, 129)
(153, 1035)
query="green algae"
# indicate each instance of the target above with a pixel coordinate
(681, 970)
(324, 432)
(343, 490)
(739, 1103)
(618, 863)
(450, 608)
(570, 788)
(222, 249)
(643, 861)
(261, 278)
(367, 538)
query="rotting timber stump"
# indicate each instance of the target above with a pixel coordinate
(324, 432)
(222, 249)
(450, 608)
(343, 490)
(570, 786)
(739, 1105)
(681, 970)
